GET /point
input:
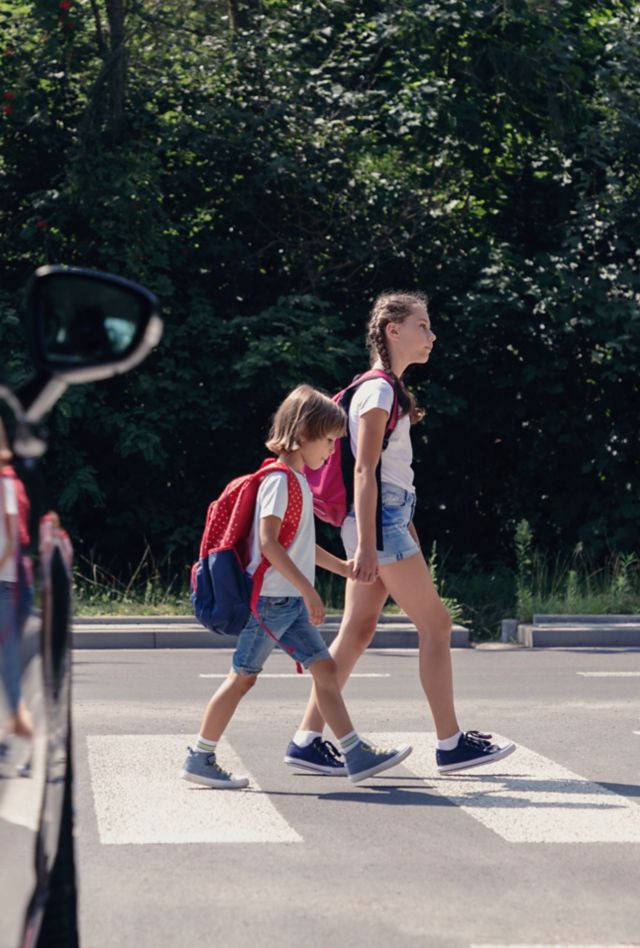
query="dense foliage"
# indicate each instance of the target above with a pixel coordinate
(267, 168)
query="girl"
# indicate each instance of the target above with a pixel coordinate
(304, 431)
(399, 335)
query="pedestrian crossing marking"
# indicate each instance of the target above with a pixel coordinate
(526, 798)
(304, 677)
(550, 945)
(140, 799)
(611, 674)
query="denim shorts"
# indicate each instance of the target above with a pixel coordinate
(398, 506)
(287, 618)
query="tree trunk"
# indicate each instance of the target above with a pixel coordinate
(117, 67)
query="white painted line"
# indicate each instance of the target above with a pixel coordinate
(140, 799)
(527, 798)
(609, 674)
(547, 945)
(306, 678)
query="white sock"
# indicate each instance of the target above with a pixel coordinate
(349, 741)
(205, 746)
(304, 738)
(449, 743)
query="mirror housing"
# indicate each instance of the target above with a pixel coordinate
(81, 326)
(85, 325)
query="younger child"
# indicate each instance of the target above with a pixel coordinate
(304, 431)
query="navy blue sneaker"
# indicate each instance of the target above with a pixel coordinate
(474, 749)
(321, 757)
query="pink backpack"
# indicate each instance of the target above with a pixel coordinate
(332, 484)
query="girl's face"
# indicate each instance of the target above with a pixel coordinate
(413, 338)
(315, 453)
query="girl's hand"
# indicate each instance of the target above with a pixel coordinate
(349, 569)
(315, 606)
(365, 566)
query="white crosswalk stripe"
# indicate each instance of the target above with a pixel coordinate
(607, 674)
(303, 677)
(547, 945)
(527, 798)
(139, 798)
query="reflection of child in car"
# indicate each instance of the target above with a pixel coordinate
(14, 587)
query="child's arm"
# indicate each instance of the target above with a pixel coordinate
(273, 550)
(328, 561)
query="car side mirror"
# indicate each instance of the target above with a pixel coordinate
(84, 325)
(81, 326)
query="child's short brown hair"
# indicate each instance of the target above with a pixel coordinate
(305, 414)
(5, 449)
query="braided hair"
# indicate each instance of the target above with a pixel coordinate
(394, 307)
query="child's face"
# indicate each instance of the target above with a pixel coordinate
(315, 453)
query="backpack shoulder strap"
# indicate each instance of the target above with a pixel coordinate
(395, 407)
(288, 527)
(291, 519)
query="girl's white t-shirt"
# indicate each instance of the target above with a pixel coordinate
(272, 499)
(397, 458)
(9, 570)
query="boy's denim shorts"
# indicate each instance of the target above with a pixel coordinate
(287, 618)
(398, 507)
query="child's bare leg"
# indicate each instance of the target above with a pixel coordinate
(361, 759)
(409, 583)
(363, 605)
(223, 704)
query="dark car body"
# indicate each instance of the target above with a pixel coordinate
(81, 326)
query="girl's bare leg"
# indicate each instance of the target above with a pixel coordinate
(409, 583)
(362, 608)
(325, 684)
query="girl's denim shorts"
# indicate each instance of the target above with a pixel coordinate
(398, 506)
(288, 620)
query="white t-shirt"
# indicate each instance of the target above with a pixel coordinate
(9, 571)
(273, 496)
(397, 458)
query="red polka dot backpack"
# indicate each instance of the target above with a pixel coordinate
(222, 593)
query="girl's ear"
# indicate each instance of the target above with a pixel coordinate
(391, 331)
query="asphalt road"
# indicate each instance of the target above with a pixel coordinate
(540, 849)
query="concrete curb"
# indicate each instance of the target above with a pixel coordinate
(574, 631)
(105, 632)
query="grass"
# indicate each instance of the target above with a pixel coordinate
(573, 585)
(476, 597)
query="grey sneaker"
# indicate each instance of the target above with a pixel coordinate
(365, 761)
(201, 768)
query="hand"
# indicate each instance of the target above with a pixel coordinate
(348, 569)
(315, 607)
(365, 566)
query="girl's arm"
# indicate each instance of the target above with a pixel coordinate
(414, 533)
(273, 550)
(328, 561)
(365, 492)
